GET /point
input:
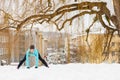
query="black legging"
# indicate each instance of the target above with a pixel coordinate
(23, 60)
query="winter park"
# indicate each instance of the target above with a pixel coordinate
(59, 39)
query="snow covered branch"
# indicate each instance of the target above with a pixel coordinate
(84, 7)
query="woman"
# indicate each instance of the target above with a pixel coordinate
(32, 52)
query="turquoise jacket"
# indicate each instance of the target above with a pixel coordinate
(35, 54)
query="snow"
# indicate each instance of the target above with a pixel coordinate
(63, 72)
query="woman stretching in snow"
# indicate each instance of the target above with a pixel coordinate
(32, 52)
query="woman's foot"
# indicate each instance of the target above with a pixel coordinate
(28, 67)
(36, 67)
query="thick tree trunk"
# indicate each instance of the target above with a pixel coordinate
(116, 4)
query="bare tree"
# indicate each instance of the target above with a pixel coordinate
(40, 11)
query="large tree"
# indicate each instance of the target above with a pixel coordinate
(40, 11)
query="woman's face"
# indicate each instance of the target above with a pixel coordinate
(31, 50)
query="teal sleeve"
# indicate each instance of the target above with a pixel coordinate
(36, 58)
(27, 59)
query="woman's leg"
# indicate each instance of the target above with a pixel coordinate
(42, 60)
(21, 62)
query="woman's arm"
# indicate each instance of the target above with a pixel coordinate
(36, 57)
(27, 58)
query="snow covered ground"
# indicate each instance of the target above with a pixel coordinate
(63, 72)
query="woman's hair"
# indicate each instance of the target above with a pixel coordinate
(32, 47)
